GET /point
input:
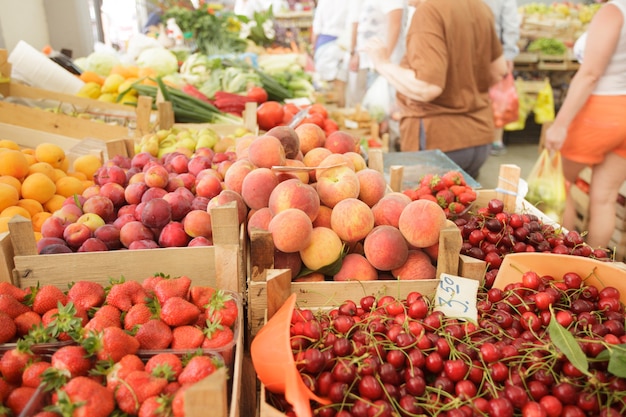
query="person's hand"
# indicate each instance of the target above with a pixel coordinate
(555, 137)
(353, 64)
(377, 51)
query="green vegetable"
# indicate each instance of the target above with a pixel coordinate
(100, 62)
(163, 61)
(547, 46)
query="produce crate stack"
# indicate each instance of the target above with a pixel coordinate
(580, 193)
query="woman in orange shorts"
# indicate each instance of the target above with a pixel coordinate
(590, 127)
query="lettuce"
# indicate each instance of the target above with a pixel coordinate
(162, 60)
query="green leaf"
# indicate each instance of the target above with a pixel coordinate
(330, 269)
(616, 356)
(566, 343)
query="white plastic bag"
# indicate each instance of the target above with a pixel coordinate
(378, 99)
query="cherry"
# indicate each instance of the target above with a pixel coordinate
(500, 407)
(415, 385)
(572, 280)
(455, 369)
(434, 362)
(465, 389)
(370, 388)
(533, 409)
(552, 405)
(344, 371)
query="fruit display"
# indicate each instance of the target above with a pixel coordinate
(449, 190)
(34, 183)
(545, 346)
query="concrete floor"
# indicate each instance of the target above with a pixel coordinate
(522, 150)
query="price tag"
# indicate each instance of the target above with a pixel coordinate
(456, 297)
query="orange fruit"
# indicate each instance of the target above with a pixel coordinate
(38, 219)
(87, 165)
(50, 153)
(13, 163)
(54, 203)
(44, 168)
(33, 206)
(67, 186)
(12, 181)
(9, 144)
(4, 224)
(39, 187)
(8, 196)
(15, 210)
(59, 173)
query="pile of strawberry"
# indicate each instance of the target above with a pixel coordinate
(132, 346)
(449, 190)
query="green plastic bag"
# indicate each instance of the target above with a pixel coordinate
(546, 185)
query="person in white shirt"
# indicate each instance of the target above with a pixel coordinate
(248, 7)
(384, 19)
(328, 38)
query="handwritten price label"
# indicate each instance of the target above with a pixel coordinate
(456, 297)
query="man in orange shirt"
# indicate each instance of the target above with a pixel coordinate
(453, 55)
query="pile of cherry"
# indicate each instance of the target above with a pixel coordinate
(544, 347)
(490, 233)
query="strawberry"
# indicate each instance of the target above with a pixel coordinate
(112, 343)
(31, 377)
(165, 365)
(73, 359)
(11, 306)
(172, 287)
(86, 294)
(187, 337)
(124, 295)
(216, 336)
(137, 315)
(453, 177)
(154, 335)
(45, 413)
(137, 387)
(83, 397)
(105, 316)
(200, 296)
(5, 390)
(14, 361)
(426, 179)
(458, 189)
(18, 398)
(223, 308)
(16, 292)
(65, 322)
(150, 283)
(156, 406)
(466, 197)
(26, 321)
(197, 368)
(428, 197)
(45, 298)
(456, 208)
(444, 197)
(8, 329)
(178, 402)
(176, 311)
(120, 370)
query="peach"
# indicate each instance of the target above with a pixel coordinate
(110, 235)
(433, 252)
(294, 193)
(259, 219)
(385, 248)
(312, 277)
(100, 205)
(229, 196)
(341, 142)
(288, 138)
(222, 168)
(266, 151)
(47, 241)
(310, 136)
(257, 187)
(336, 184)
(332, 160)
(143, 244)
(153, 192)
(300, 174)
(323, 217)
(177, 163)
(92, 220)
(198, 223)
(53, 227)
(355, 267)
(417, 266)
(68, 213)
(208, 186)
(93, 190)
(421, 222)
(285, 260)
(134, 191)
(173, 235)
(388, 209)
(55, 248)
(75, 234)
(373, 186)
(241, 146)
(233, 179)
(156, 176)
(134, 230)
(93, 244)
(180, 203)
(189, 180)
(112, 173)
(352, 219)
(200, 241)
(113, 192)
(174, 183)
(199, 203)
(291, 230)
(358, 161)
(139, 160)
(156, 213)
(313, 158)
(324, 249)
(198, 163)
